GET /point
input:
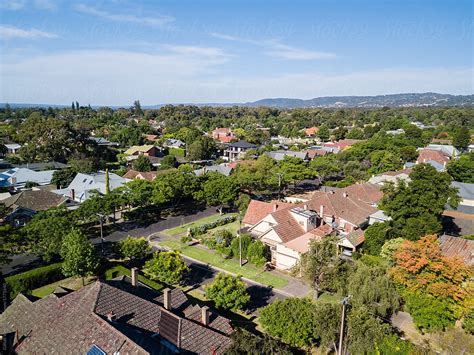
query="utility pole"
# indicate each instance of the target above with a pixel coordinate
(101, 232)
(279, 184)
(344, 302)
(240, 239)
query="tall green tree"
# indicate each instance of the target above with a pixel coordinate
(46, 230)
(323, 133)
(415, 208)
(79, 255)
(219, 190)
(462, 138)
(133, 248)
(462, 169)
(142, 163)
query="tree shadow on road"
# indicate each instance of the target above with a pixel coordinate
(260, 296)
(198, 275)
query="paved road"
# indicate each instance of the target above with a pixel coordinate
(23, 262)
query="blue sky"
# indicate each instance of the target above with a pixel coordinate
(114, 52)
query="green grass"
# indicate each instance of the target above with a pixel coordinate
(184, 228)
(73, 283)
(119, 270)
(207, 256)
(177, 152)
(232, 227)
(328, 298)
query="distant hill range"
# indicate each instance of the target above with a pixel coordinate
(429, 99)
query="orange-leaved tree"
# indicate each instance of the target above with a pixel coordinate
(421, 266)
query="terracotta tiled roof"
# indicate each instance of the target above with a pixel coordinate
(257, 210)
(311, 131)
(147, 175)
(287, 227)
(74, 322)
(368, 193)
(356, 237)
(316, 152)
(35, 200)
(457, 246)
(301, 244)
(434, 155)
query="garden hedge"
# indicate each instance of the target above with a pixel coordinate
(29, 280)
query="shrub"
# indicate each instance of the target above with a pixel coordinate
(203, 228)
(246, 240)
(468, 322)
(257, 253)
(223, 239)
(29, 280)
(168, 267)
(291, 320)
(131, 248)
(429, 313)
(186, 239)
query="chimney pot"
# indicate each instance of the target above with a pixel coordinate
(134, 272)
(321, 212)
(205, 315)
(167, 299)
(275, 207)
(305, 206)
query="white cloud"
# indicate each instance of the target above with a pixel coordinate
(156, 21)
(10, 32)
(190, 74)
(292, 53)
(12, 4)
(274, 48)
(16, 5)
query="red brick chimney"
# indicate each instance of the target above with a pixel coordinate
(167, 299)
(205, 315)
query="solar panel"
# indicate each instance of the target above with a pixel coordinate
(95, 350)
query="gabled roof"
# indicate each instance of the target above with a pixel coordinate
(221, 168)
(368, 193)
(466, 190)
(301, 244)
(313, 152)
(35, 200)
(242, 144)
(257, 210)
(458, 246)
(426, 155)
(139, 149)
(74, 322)
(281, 154)
(146, 175)
(356, 237)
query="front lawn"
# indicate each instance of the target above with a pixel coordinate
(232, 265)
(184, 228)
(72, 283)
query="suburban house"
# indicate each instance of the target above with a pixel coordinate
(460, 221)
(391, 176)
(223, 135)
(12, 148)
(103, 142)
(146, 150)
(224, 169)
(174, 143)
(336, 147)
(311, 131)
(436, 158)
(17, 178)
(447, 149)
(237, 150)
(281, 154)
(316, 152)
(346, 211)
(396, 132)
(25, 204)
(151, 137)
(84, 185)
(139, 175)
(120, 316)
